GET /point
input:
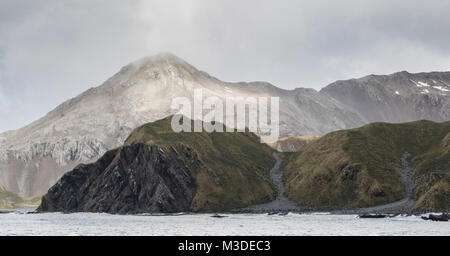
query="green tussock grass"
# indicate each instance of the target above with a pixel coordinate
(359, 167)
(10, 200)
(237, 165)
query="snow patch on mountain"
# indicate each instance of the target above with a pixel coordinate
(420, 84)
(440, 88)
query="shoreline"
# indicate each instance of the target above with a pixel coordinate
(235, 212)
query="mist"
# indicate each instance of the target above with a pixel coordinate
(53, 50)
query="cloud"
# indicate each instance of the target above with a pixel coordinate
(52, 50)
(5, 110)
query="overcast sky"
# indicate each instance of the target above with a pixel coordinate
(52, 50)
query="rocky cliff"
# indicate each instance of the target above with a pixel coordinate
(133, 179)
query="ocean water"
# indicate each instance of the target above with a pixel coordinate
(93, 224)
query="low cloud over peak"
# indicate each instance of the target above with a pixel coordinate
(52, 50)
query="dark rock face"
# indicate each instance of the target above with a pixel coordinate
(433, 217)
(349, 173)
(372, 216)
(133, 179)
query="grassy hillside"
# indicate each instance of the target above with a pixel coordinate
(9, 200)
(237, 165)
(433, 169)
(359, 167)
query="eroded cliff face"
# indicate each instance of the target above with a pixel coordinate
(132, 179)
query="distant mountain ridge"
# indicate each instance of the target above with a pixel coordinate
(400, 97)
(82, 129)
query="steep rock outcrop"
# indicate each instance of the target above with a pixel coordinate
(132, 179)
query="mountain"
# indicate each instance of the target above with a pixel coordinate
(82, 129)
(396, 98)
(376, 164)
(158, 170)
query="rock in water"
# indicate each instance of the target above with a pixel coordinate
(218, 216)
(372, 216)
(434, 217)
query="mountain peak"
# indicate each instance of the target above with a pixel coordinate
(167, 55)
(161, 58)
